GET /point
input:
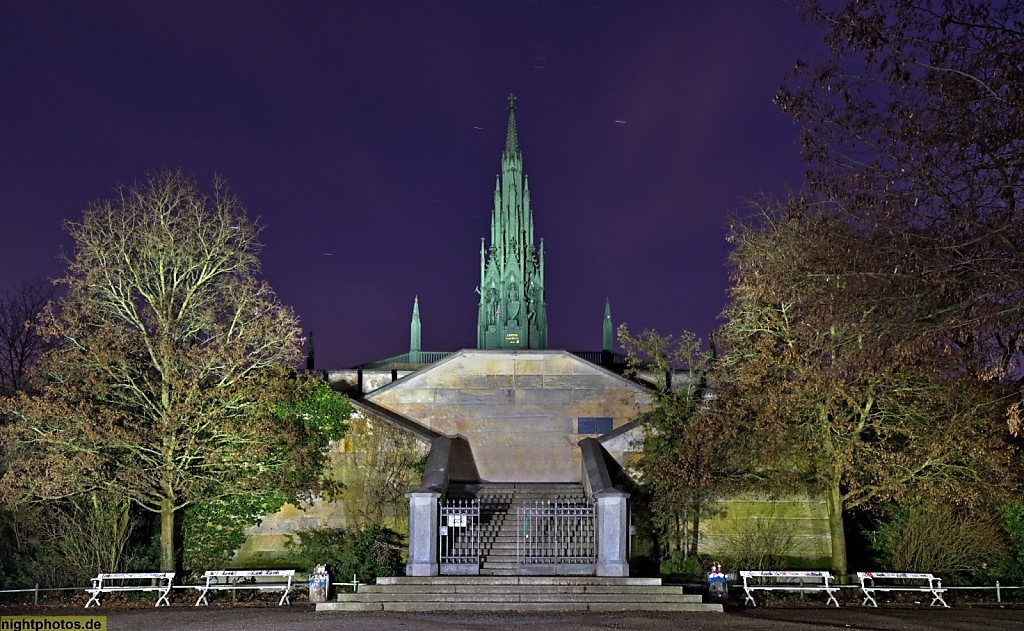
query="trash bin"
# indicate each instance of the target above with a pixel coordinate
(718, 587)
(318, 583)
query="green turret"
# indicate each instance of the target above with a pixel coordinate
(414, 333)
(609, 329)
(512, 311)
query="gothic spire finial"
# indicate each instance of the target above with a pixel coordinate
(511, 140)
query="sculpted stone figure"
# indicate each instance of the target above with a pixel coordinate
(513, 305)
(491, 305)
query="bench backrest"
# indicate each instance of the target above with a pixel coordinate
(916, 575)
(246, 573)
(785, 574)
(135, 575)
(934, 582)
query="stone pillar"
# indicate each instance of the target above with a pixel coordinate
(423, 533)
(424, 512)
(612, 511)
(612, 533)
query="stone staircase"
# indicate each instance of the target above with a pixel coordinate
(498, 517)
(499, 588)
(518, 593)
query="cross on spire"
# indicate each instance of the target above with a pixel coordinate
(511, 102)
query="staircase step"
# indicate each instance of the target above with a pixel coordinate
(518, 593)
(518, 606)
(664, 590)
(499, 565)
(515, 596)
(518, 580)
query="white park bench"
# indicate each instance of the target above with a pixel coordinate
(907, 582)
(788, 580)
(247, 579)
(160, 582)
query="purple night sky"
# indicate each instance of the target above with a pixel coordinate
(367, 136)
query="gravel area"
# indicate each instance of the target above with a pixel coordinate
(303, 618)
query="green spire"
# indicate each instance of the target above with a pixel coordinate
(414, 333)
(609, 329)
(511, 138)
(310, 352)
(512, 313)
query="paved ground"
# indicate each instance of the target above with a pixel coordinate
(303, 618)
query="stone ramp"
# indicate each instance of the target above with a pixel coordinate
(518, 593)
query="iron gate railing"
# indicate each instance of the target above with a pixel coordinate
(555, 537)
(459, 536)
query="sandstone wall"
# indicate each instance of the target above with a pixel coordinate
(746, 519)
(516, 412)
(376, 464)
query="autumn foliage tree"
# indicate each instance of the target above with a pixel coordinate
(684, 463)
(874, 327)
(828, 361)
(171, 366)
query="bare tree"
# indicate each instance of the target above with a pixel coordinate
(20, 341)
(912, 129)
(172, 374)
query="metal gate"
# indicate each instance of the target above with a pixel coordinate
(459, 535)
(556, 538)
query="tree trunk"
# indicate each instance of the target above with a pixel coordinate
(694, 532)
(836, 529)
(166, 535)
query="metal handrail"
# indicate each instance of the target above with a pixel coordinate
(35, 591)
(429, 357)
(601, 357)
(425, 357)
